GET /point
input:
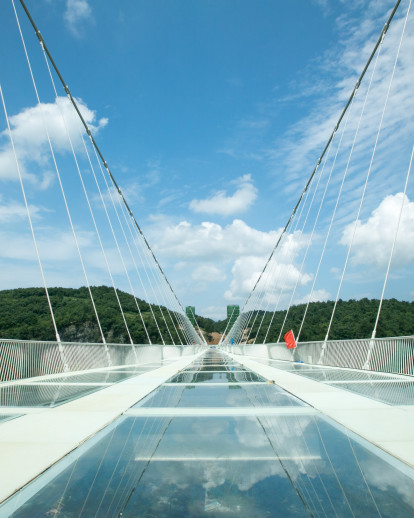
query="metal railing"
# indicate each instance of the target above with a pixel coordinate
(393, 355)
(21, 359)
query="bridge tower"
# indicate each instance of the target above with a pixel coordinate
(190, 312)
(233, 312)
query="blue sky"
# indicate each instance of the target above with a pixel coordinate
(212, 115)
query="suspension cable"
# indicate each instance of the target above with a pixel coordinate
(290, 263)
(139, 274)
(317, 217)
(368, 172)
(97, 149)
(54, 158)
(305, 255)
(85, 193)
(383, 32)
(374, 332)
(101, 243)
(42, 273)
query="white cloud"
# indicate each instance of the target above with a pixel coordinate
(76, 13)
(220, 203)
(31, 142)
(281, 275)
(276, 282)
(188, 242)
(59, 257)
(134, 189)
(13, 211)
(109, 194)
(398, 487)
(214, 312)
(240, 249)
(296, 152)
(374, 237)
(209, 249)
(245, 272)
(208, 273)
(321, 3)
(316, 296)
(54, 245)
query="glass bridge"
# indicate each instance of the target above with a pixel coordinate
(215, 439)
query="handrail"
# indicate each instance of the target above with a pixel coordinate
(391, 354)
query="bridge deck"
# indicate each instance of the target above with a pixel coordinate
(42, 434)
(364, 408)
(236, 437)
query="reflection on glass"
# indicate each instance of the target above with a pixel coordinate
(398, 393)
(286, 365)
(265, 465)
(202, 396)
(60, 389)
(215, 368)
(344, 375)
(216, 377)
(387, 388)
(283, 466)
(93, 377)
(141, 366)
(41, 395)
(7, 417)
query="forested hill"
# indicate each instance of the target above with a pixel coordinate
(353, 319)
(24, 314)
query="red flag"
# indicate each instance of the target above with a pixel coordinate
(290, 340)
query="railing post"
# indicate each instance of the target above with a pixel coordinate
(366, 365)
(62, 355)
(135, 352)
(320, 362)
(107, 354)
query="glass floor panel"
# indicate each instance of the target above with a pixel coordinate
(216, 377)
(344, 375)
(215, 361)
(387, 388)
(215, 368)
(42, 395)
(56, 390)
(288, 366)
(7, 417)
(219, 396)
(93, 377)
(139, 367)
(175, 467)
(390, 393)
(217, 466)
(215, 364)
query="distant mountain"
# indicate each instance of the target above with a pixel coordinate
(24, 314)
(352, 319)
